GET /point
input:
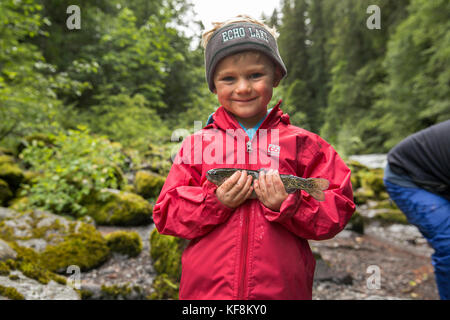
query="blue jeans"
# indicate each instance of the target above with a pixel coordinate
(430, 213)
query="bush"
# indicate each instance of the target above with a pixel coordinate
(75, 167)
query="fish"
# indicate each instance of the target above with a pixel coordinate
(313, 186)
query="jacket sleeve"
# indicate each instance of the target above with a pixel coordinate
(307, 217)
(187, 208)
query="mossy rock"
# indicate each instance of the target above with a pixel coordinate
(124, 242)
(356, 223)
(373, 180)
(356, 182)
(11, 293)
(166, 253)
(58, 242)
(121, 209)
(391, 216)
(6, 159)
(164, 288)
(85, 248)
(5, 193)
(6, 151)
(122, 292)
(20, 204)
(386, 204)
(12, 174)
(361, 196)
(148, 184)
(356, 166)
(29, 263)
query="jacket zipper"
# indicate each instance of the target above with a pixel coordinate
(244, 241)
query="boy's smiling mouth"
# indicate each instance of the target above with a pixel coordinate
(245, 100)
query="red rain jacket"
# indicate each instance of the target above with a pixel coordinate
(251, 252)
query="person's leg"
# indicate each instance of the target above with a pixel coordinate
(431, 214)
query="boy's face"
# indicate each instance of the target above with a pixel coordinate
(244, 84)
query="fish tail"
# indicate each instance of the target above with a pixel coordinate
(315, 187)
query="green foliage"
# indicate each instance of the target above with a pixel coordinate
(128, 120)
(365, 89)
(416, 93)
(27, 81)
(76, 166)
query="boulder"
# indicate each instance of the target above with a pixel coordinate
(53, 241)
(6, 252)
(18, 286)
(166, 254)
(121, 209)
(124, 242)
(148, 184)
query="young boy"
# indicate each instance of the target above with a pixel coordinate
(249, 238)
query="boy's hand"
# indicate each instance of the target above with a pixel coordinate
(235, 190)
(270, 190)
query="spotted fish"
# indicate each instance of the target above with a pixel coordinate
(313, 186)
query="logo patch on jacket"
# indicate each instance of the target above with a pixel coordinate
(273, 150)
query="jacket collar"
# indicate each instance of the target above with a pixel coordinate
(224, 120)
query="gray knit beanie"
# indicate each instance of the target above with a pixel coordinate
(237, 37)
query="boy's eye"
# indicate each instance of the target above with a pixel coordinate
(229, 78)
(256, 75)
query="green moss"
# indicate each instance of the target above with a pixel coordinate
(12, 174)
(6, 151)
(6, 159)
(148, 184)
(29, 263)
(356, 182)
(164, 288)
(84, 294)
(166, 254)
(125, 291)
(392, 216)
(19, 204)
(11, 293)
(373, 180)
(125, 242)
(69, 243)
(356, 223)
(85, 248)
(386, 204)
(356, 166)
(115, 291)
(13, 277)
(5, 193)
(4, 268)
(361, 195)
(122, 209)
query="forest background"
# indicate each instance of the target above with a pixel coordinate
(132, 76)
